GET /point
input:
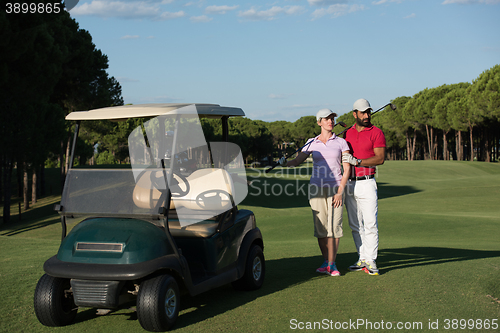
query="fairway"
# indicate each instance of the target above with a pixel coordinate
(439, 260)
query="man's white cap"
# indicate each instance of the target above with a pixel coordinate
(361, 105)
(323, 113)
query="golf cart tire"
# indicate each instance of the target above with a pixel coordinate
(158, 303)
(54, 304)
(255, 268)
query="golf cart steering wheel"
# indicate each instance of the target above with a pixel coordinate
(209, 197)
(177, 190)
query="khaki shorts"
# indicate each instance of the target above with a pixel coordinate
(327, 219)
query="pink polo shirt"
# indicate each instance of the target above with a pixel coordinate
(362, 144)
(326, 157)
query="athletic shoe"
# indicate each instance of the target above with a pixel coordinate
(332, 270)
(371, 268)
(357, 266)
(323, 267)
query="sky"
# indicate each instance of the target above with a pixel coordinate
(284, 59)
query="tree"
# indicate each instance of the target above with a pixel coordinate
(485, 102)
(251, 136)
(393, 124)
(457, 114)
(30, 66)
(47, 67)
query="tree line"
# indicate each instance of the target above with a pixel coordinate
(48, 68)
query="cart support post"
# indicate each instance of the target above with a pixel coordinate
(77, 130)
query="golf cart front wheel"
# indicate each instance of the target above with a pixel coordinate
(53, 302)
(158, 303)
(255, 268)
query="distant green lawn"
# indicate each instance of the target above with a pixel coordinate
(439, 258)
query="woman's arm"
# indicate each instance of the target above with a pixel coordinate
(337, 198)
(301, 157)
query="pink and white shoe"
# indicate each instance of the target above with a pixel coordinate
(323, 267)
(332, 270)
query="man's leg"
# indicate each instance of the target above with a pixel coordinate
(368, 207)
(353, 215)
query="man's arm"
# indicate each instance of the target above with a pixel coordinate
(378, 159)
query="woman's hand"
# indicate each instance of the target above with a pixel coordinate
(337, 200)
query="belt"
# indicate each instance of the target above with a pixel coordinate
(362, 177)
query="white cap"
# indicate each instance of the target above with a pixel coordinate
(361, 105)
(324, 113)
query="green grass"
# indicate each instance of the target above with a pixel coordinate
(439, 258)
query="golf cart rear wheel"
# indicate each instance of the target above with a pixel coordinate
(255, 268)
(158, 303)
(54, 304)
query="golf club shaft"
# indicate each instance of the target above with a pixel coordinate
(381, 108)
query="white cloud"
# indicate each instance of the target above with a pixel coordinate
(122, 79)
(277, 96)
(220, 9)
(169, 16)
(201, 19)
(471, 2)
(381, 2)
(323, 3)
(337, 10)
(412, 15)
(130, 37)
(267, 15)
(293, 10)
(125, 9)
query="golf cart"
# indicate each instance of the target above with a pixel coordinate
(165, 226)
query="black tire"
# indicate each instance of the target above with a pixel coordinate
(54, 304)
(158, 303)
(255, 269)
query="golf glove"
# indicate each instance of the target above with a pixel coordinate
(348, 158)
(282, 161)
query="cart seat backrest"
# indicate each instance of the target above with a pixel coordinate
(207, 189)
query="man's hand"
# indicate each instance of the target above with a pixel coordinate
(348, 158)
(282, 161)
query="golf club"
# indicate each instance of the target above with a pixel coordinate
(341, 123)
(393, 107)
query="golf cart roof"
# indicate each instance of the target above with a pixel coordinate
(152, 110)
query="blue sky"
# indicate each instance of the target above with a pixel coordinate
(284, 59)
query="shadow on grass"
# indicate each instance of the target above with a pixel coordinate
(392, 259)
(223, 299)
(292, 193)
(35, 218)
(389, 191)
(214, 302)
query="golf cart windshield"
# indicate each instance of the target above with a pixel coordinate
(173, 169)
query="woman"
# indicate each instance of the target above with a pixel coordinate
(326, 187)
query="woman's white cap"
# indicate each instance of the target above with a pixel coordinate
(323, 113)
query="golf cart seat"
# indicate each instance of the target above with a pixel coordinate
(208, 190)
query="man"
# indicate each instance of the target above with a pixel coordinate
(367, 144)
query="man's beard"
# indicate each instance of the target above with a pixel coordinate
(363, 123)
